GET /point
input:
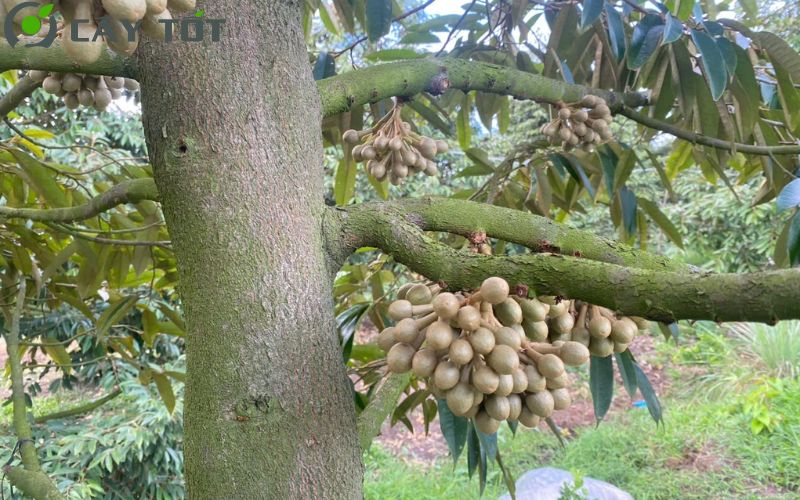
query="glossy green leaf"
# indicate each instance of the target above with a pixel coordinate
(591, 11)
(601, 384)
(379, 18)
(616, 31)
(454, 429)
(628, 203)
(684, 9)
(473, 450)
(347, 322)
(726, 47)
(646, 39)
(627, 371)
(649, 394)
(716, 72)
(789, 196)
(463, 126)
(673, 29)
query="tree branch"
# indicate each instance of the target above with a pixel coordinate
(23, 88)
(78, 410)
(132, 191)
(704, 140)
(54, 58)
(535, 232)
(408, 78)
(658, 295)
(385, 399)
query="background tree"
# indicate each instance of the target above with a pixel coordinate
(236, 153)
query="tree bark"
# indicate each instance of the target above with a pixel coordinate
(233, 130)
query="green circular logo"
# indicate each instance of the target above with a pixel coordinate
(31, 25)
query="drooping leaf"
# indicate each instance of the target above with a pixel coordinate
(627, 371)
(670, 331)
(454, 429)
(628, 202)
(662, 220)
(57, 352)
(344, 186)
(463, 126)
(726, 47)
(684, 9)
(165, 390)
(591, 11)
(616, 31)
(716, 72)
(645, 40)
(414, 38)
(649, 395)
(789, 196)
(601, 384)
(779, 50)
(673, 29)
(347, 322)
(473, 450)
(114, 314)
(379, 18)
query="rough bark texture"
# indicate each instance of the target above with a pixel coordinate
(233, 130)
(659, 295)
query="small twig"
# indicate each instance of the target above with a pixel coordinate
(109, 241)
(455, 28)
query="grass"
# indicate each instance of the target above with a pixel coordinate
(701, 452)
(705, 449)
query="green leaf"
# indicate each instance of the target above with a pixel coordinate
(454, 429)
(684, 9)
(473, 450)
(794, 240)
(715, 72)
(601, 384)
(393, 55)
(414, 38)
(443, 124)
(591, 11)
(645, 40)
(345, 183)
(115, 313)
(726, 47)
(58, 353)
(40, 178)
(657, 216)
(653, 404)
(616, 31)
(165, 390)
(345, 14)
(779, 50)
(670, 331)
(347, 322)
(573, 166)
(488, 444)
(463, 126)
(789, 196)
(628, 204)
(327, 20)
(627, 371)
(325, 66)
(673, 29)
(379, 18)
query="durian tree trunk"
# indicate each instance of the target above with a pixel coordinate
(233, 130)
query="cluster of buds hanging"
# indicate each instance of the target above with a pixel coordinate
(494, 355)
(392, 150)
(84, 90)
(584, 124)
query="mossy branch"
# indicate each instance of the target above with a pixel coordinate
(29, 478)
(132, 191)
(79, 409)
(409, 78)
(655, 294)
(22, 89)
(54, 58)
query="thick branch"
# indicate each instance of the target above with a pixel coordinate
(54, 58)
(704, 140)
(78, 410)
(535, 232)
(132, 191)
(409, 78)
(382, 404)
(23, 88)
(34, 484)
(658, 295)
